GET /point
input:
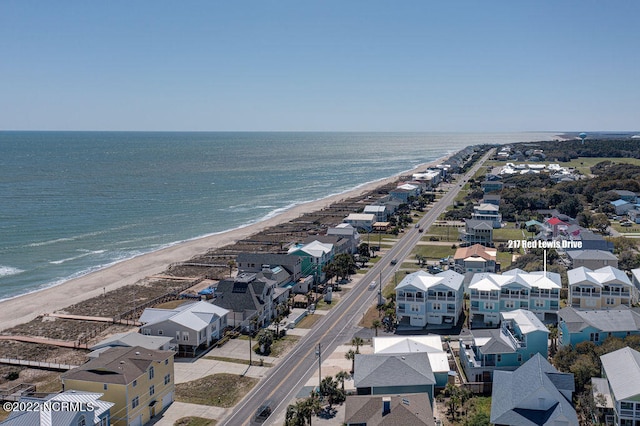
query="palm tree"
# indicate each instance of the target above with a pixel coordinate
(351, 356)
(231, 264)
(312, 406)
(341, 376)
(357, 342)
(376, 324)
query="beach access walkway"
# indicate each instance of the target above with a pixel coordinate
(45, 341)
(91, 318)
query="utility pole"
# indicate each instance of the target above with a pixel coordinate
(250, 331)
(319, 354)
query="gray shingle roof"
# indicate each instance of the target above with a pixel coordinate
(622, 369)
(515, 392)
(400, 370)
(405, 410)
(607, 320)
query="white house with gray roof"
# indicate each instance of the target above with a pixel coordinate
(430, 344)
(621, 370)
(534, 394)
(189, 325)
(592, 259)
(422, 298)
(578, 325)
(384, 374)
(605, 287)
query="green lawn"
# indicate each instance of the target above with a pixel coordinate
(432, 251)
(507, 233)
(444, 233)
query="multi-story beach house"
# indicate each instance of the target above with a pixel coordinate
(579, 325)
(520, 336)
(534, 394)
(606, 287)
(620, 384)
(314, 256)
(422, 298)
(191, 325)
(490, 294)
(477, 232)
(488, 212)
(404, 191)
(381, 211)
(362, 221)
(255, 262)
(249, 298)
(346, 232)
(138, 381)
(476, 258)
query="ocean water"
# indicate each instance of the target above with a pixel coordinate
(75, 202)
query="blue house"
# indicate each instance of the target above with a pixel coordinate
(576, 326)
(521, 335)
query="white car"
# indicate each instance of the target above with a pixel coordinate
(372, 285)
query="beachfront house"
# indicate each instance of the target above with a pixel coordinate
(361, 221)
(431, 344)
(392, 374)
(191, 325)
(477, 232)
(249, 298)
(405, 191)
(578, 325)
(534, 394)
(476, 258)
(346, 232)
(488, 212)
(491, 294)
(127, 340)
(606, 287)
(381, 211)
(314, 256)
(75, 408)
(520, 336)
(138, 381)
(405, 409)
(620, 386)
(256, 262)
(422, 298)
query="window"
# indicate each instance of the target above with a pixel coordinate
(415, 308)
(594, 337)
(520, 358)
(166, 361)
(167, 379)
(104, 386)
(135, 383)
(436, 306)
(135, 402)
(499, 357)
(160, 332)
(152, 390)
(610, 301)
(539, 303)
(82, 421)
(185, 336)
(489, 306)
(151, 373)
(104, 421)
(146, 331)
(509, 304)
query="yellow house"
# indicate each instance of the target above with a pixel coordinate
(139, 381)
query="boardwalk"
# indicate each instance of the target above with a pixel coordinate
(96, 319)
(43, 365)
(45, 341)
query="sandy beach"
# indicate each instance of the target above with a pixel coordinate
(25, 308)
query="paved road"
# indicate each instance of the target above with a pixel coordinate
(286, 379)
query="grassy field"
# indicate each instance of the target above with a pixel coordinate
(220, 390)
(432, 252)
(508, 233)
(443, 233)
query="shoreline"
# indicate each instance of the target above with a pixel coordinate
(24, 308)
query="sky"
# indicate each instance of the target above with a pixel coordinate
(267, 65)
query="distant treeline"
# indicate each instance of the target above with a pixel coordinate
(568, 150)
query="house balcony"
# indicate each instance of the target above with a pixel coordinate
(517, 296)
(441, 298)
(517, 342)
(410, 299)
(481, 296)
(545, 295)
(616, 293)
(585, 294)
